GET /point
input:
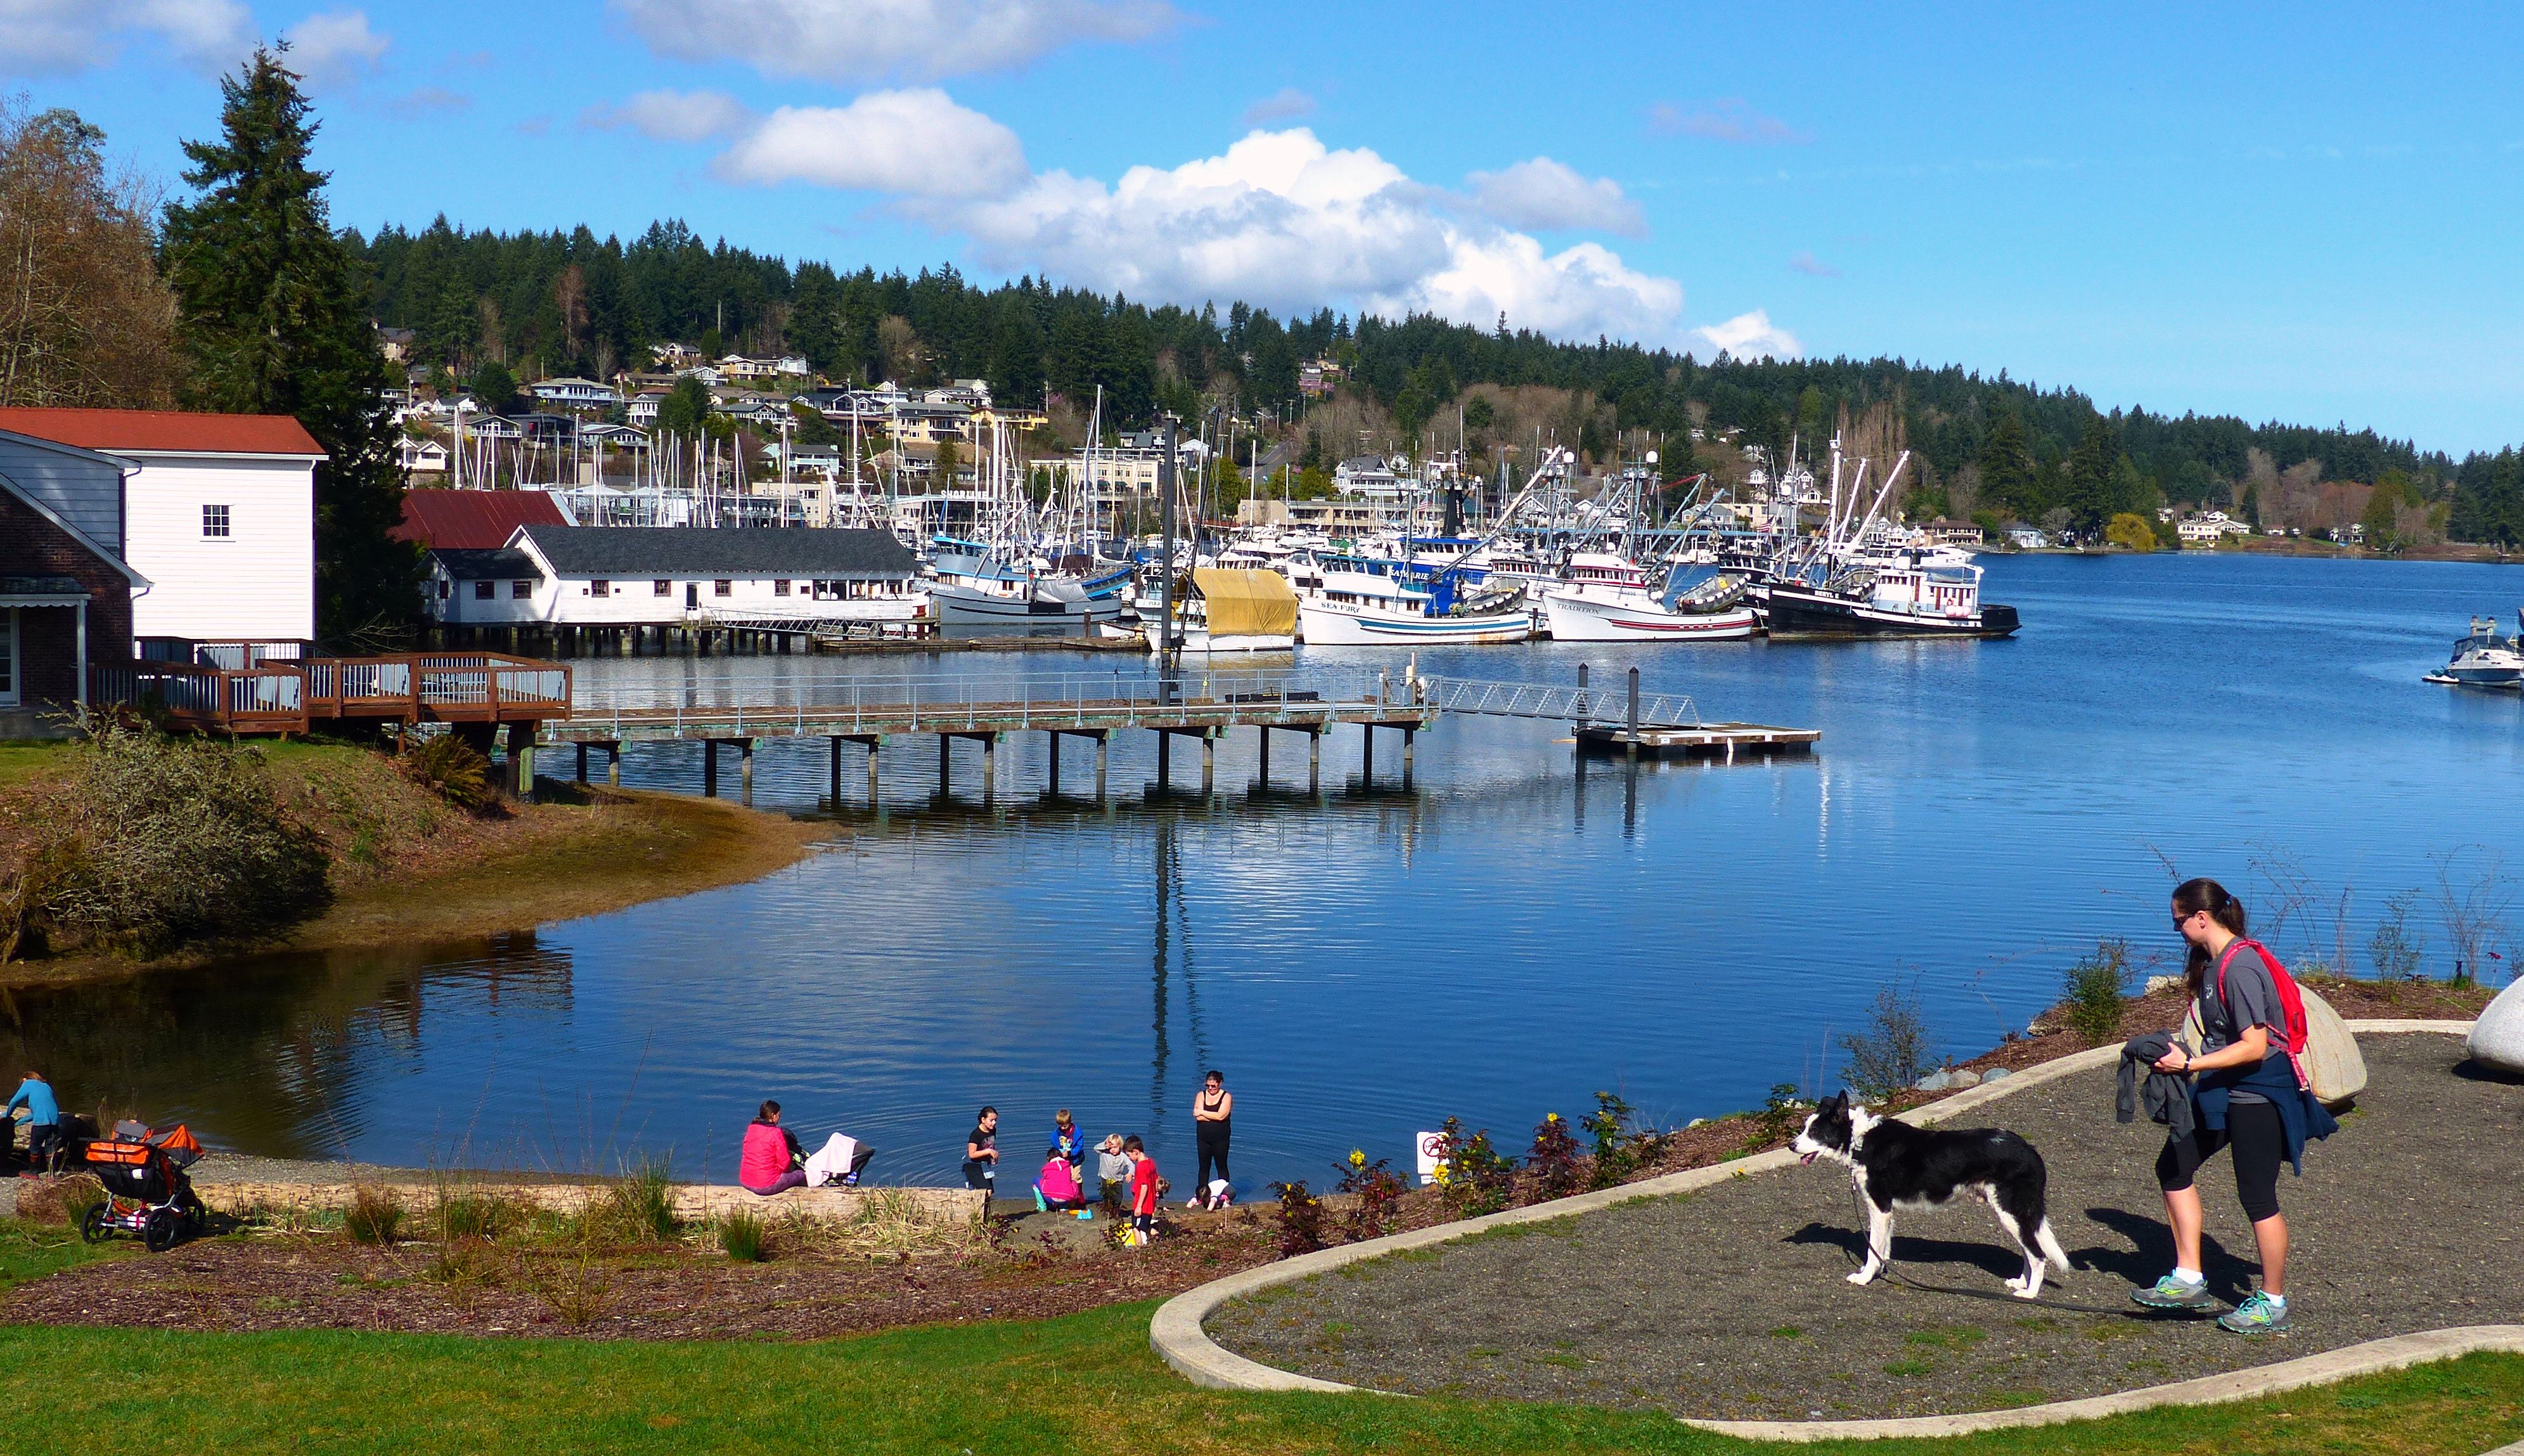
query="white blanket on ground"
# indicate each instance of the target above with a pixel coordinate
(829, 1162)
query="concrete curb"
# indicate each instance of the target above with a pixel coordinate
(2394, 1353)
(1177, 1336)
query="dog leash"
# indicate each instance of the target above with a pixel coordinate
(1892, 1267)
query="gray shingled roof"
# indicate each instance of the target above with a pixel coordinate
(692, 551)
(498, 563)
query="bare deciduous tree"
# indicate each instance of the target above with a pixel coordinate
(85, 318)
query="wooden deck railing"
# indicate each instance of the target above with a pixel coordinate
(278, 697)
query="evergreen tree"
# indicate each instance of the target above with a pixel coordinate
(2088, 490)
(272, 315)
(2006, 468)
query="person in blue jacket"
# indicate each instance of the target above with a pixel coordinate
(43, 1116)
(1070, 1141)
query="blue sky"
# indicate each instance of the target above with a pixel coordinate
(2296, 213)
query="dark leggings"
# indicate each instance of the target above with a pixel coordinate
(1209, 1141)
(2253, 1127)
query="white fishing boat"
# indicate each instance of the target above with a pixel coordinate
(1712, 611)
(970, 592)
(1358, 609)
(2485, 660)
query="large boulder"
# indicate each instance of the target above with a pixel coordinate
(2332, 1061)
(2497, 1037)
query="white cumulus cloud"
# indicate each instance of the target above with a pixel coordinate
(63, 37)
(1547, 194)
(1282, 219)
(674, 116)
(334, 49)
(1747, 335)
(913, 144)
(867, 41)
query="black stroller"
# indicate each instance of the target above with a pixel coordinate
(146, 1191)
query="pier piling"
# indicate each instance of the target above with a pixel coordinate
(1208, 761)
(945, 746)
(613, 765)
(1314, 760)
(745, 771)
(1051, 738)
(709, 768)
(1102, 741)
(989, 764)
(1266, 756)
(1165, 761)
(582, 764)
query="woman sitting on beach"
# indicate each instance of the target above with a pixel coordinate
(769, 1164)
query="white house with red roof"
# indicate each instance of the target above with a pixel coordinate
(219, 516)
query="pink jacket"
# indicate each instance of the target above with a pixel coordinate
(766, 1156)
(1058, 1180)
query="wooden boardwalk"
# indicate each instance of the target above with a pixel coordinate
(246, 692)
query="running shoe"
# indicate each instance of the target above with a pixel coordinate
(2173, 1294)
(2256, 1315)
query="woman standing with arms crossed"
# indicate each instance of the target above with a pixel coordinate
(1210, 1110)
(2247, 1097)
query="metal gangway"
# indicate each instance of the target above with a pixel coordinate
(1623, 718)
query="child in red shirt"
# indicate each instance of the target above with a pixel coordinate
(1143, 1188)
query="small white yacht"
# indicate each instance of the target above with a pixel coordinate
(2485, 660)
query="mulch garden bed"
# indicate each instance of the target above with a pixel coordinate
(1733, 1303)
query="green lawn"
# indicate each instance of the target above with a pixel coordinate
(1083, 1384)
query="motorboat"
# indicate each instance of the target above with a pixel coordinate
(969, 590)
(2485, 660)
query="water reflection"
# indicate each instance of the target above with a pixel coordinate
(1518, 928)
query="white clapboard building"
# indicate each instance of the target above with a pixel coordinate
(219, 516)
(646, 577)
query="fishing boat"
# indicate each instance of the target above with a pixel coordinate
(1713, 611)
(1231, 611)
(1360, 608)
(969, 592)
(2485, 660)
(1905, 600)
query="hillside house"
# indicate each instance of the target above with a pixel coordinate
(65, 586)
(574, 394)
(219, 516)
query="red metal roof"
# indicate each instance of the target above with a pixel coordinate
(473, 519)
(147, 430)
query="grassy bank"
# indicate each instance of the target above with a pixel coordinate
(1083, 1383)
(405, 866)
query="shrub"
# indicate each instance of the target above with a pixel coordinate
(159, 840)
(744, 1237)
(1889, 1054)
(1622, 1147)
(465, 1261)
(2393, 950)
(63, 1200)
(576, 1290)
(471, 1215)
(1779, 1118)
(1552, 1165)
(1301, 1219)
(2096, 989)
(1473, 1176)
(374, 1216)
(1378, 1190)
(641, 1206)
(451, 768)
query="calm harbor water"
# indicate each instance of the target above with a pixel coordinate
(1510, 933)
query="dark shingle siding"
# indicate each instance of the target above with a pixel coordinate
(795, 552)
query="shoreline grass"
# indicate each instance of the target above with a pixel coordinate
(1085, 1383)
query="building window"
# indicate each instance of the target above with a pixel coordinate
(600, 588)
(484, 590)
(780, 587)
(723, 588)
(7, 657)
(522, 590)
(443, 588)
(215, 522)
(661, 587)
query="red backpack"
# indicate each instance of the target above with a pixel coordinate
(2290, 1003)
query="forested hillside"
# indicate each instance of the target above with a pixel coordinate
(547, 304)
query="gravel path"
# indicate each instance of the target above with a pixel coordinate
(1731, 1302)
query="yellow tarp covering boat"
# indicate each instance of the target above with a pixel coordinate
(1247, 604)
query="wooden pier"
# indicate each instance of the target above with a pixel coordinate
(868, 714)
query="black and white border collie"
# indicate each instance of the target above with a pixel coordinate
(1915, 1169)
